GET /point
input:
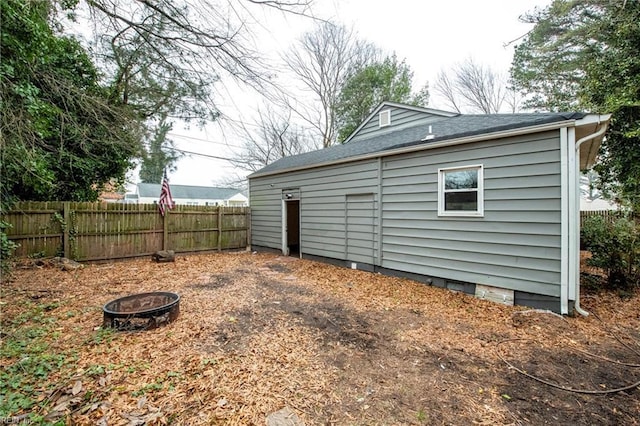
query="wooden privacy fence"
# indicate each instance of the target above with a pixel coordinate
(608, 215)
(101, 231)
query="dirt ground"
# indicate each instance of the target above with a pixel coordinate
(259, 332)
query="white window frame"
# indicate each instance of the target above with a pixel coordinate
(480, 190)
(387, 118)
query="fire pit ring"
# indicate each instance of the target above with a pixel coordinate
(142, 311)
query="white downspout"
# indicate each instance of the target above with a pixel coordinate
(602, 128)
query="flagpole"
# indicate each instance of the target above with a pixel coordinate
(165, 203)
(165, 231)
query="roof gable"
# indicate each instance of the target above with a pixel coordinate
(401, 116)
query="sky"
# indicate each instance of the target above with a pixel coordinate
(430, 35)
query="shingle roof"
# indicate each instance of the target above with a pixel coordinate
(444, 129)
(187, 191)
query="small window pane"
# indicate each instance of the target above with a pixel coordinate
(462, 179)
(463, 201)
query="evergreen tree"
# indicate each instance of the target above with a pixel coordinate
(586, 55)
(158, 155)
(367, 86)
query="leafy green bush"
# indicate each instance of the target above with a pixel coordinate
(6, 247)
(615, 247)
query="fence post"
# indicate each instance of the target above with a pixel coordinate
(165, 230)
(219, 228)
(66, 234)
(247, 221)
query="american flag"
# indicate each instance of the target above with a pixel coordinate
(166, 201)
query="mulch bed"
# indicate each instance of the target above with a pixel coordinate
(259, 332)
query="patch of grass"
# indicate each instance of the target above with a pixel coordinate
(36, 314)
(152, 387)
(169, 381)
(103, 335)
(140, 366)
(209, 361)
(29, 360)
(46, 307)
(95, 370)
(37, 255)
(173, 378)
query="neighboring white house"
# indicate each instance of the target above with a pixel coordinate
(148, 193)
(597, 204)
(590, 197)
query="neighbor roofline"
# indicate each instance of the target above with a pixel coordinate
(423, 147)
(398, 105)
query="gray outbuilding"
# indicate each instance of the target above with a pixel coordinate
(485, 204)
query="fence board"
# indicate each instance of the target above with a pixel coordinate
(608, 215)
(100, 231)
(37, 229)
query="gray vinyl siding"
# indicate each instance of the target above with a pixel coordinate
(266, 215)
(516, 245)
(400, 118)
(323, 193)
(361, 222)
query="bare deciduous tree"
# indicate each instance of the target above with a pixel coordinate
(170, 58)
(232, 180)
(476, 87)
(190, 43)
(446, 87)
(322, 60)
(513, 99)
(272, 136)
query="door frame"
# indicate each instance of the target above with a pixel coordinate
(284, 241)
(290, 196)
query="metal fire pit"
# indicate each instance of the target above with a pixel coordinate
(142, 311)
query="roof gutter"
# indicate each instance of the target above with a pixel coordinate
(423, 147)
(601, 129)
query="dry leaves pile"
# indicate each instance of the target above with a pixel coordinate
(259, 332)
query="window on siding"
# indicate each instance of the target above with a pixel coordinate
(460, 191)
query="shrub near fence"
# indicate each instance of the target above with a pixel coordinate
(101, 231)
